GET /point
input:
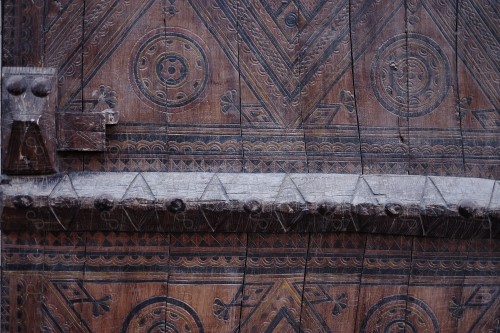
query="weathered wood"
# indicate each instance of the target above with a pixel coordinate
(207, 272)
(289, 87)
(22, 32)
(271, 70)
(379, 53)
(204, 111)
(81, 131)
(63, 27)
(274, 282)
(22, 294)
(478, 74)
(330, 116)
(333, 279)
(438, 265)
(404, 87)
(117, 282)
(64, 293)
(384, 302)
(123, 42)
(63, 35)
(28, 136)
(203, 202)
(432, 87)
(125, 289)
(114, 37)
(480, 291)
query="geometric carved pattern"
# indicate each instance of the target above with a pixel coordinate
(272, 86)
(400, 313)
(479, 298)
(153, 316)
(256, 86)
(488, 118)
(275, 203)
(169, 69)
(245, 283)
(410, 82)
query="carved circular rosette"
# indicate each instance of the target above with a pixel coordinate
(162, 315)
(169, 69)
(410, 75)
(400, 313)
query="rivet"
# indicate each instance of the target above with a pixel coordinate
(177, 206)
(252, 207)
(22, 201)
(104, 203)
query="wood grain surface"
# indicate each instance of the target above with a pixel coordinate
(229, 87)
(156, 282)
(404, 87)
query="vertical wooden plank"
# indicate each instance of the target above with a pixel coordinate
(332, 280)
(206, 274)
(1, 97)
(63, 23)
(63, 26)
(22, 33)
(203, 114)
(273, 286)
(327, 94)
(384, 283)
(437, 276)
(63, 293)
(478, 85)
(379, 53)
(121, 43)
(435, 136)
(123, 46)
(477, 308)
(271, 72)
(125, 282)
(22, 267)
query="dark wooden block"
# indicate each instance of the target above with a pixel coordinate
(81, 131)
(28, 135)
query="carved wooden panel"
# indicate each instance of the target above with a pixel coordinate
(406, 87)
(379, 51)
(155, 282)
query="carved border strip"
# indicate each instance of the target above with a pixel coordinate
(207, 202)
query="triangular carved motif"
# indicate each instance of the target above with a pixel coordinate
(216, 197)
(27, 152)
(290, 204)
(287, 44)
(141, 198)
(64, 202)
(76, 307)
(280, 311)
(214, 191)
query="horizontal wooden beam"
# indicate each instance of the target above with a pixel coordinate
(276, 203)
